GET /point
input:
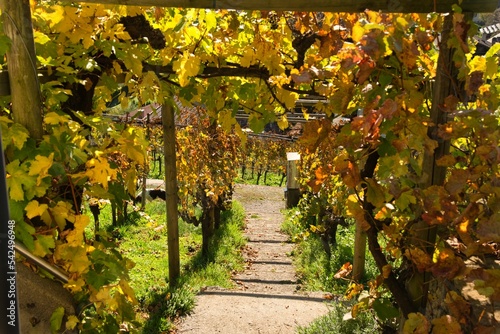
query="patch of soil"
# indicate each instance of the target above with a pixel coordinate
(267, 299)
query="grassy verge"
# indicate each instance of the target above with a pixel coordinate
(316, 272)
(143, 239)
(313, 265)
(334, 323)
(272, 178)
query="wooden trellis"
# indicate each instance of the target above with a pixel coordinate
(24, 88)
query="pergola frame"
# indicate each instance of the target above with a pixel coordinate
(25, 93)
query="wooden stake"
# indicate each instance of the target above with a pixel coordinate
(423, 235)
(359, 258)
(168, 121)
(21, 62)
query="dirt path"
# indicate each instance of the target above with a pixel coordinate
(266, 299)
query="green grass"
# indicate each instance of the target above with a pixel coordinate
(143, 239)
(314, 267)
(316, 272)
(272, 179)
(334, 323)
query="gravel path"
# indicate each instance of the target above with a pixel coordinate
(266, 298)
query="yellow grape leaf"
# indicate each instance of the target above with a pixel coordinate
(344, 271)
(354, 290)
(210, 19)
(43, 245)
(72, 322)
(16, 134)
(75, 286)
(283, 122)
(104, 297)
(248, 57)
(375, 193)
(130, 181)
(103, 294)
(40, 37)
(357, 32)
(75, 258)
(287, 97)
(385, 212)
(226, 120)
(416, 323)
(133, 144)
(34, 209)
(132, 61)
(355, 210)
(99, 171)
(17, 179)
(386, 270)
(186, 67)
(54, 118)
(477, 64)
(41, 166)
(127, 291)
(54, 16)
(405, 199)
(75, 237)
(62, 212)
(446, 325)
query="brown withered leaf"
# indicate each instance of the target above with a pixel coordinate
(456, 181)
(302, 77)
(320, 175)
(330, 44)
(388, 108)
(448, 265)
(344, 271)
(424, 39)
(458, 306)
(416, 323)
(315, 132)
(460, 28)
(386, 270)
(450, 103)
(446, 325)
(474, 81)
(420, 258)
(366, 67)
(489, 230)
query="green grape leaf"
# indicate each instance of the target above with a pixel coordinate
(56, 319)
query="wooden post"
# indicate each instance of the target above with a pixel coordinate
(168, 121)
(146, 169)
(359, 257)
(21, 62)
(292, 186)
(423, 235)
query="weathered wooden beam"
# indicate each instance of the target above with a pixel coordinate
(352, 6)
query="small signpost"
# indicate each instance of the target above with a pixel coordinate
(292, 186)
